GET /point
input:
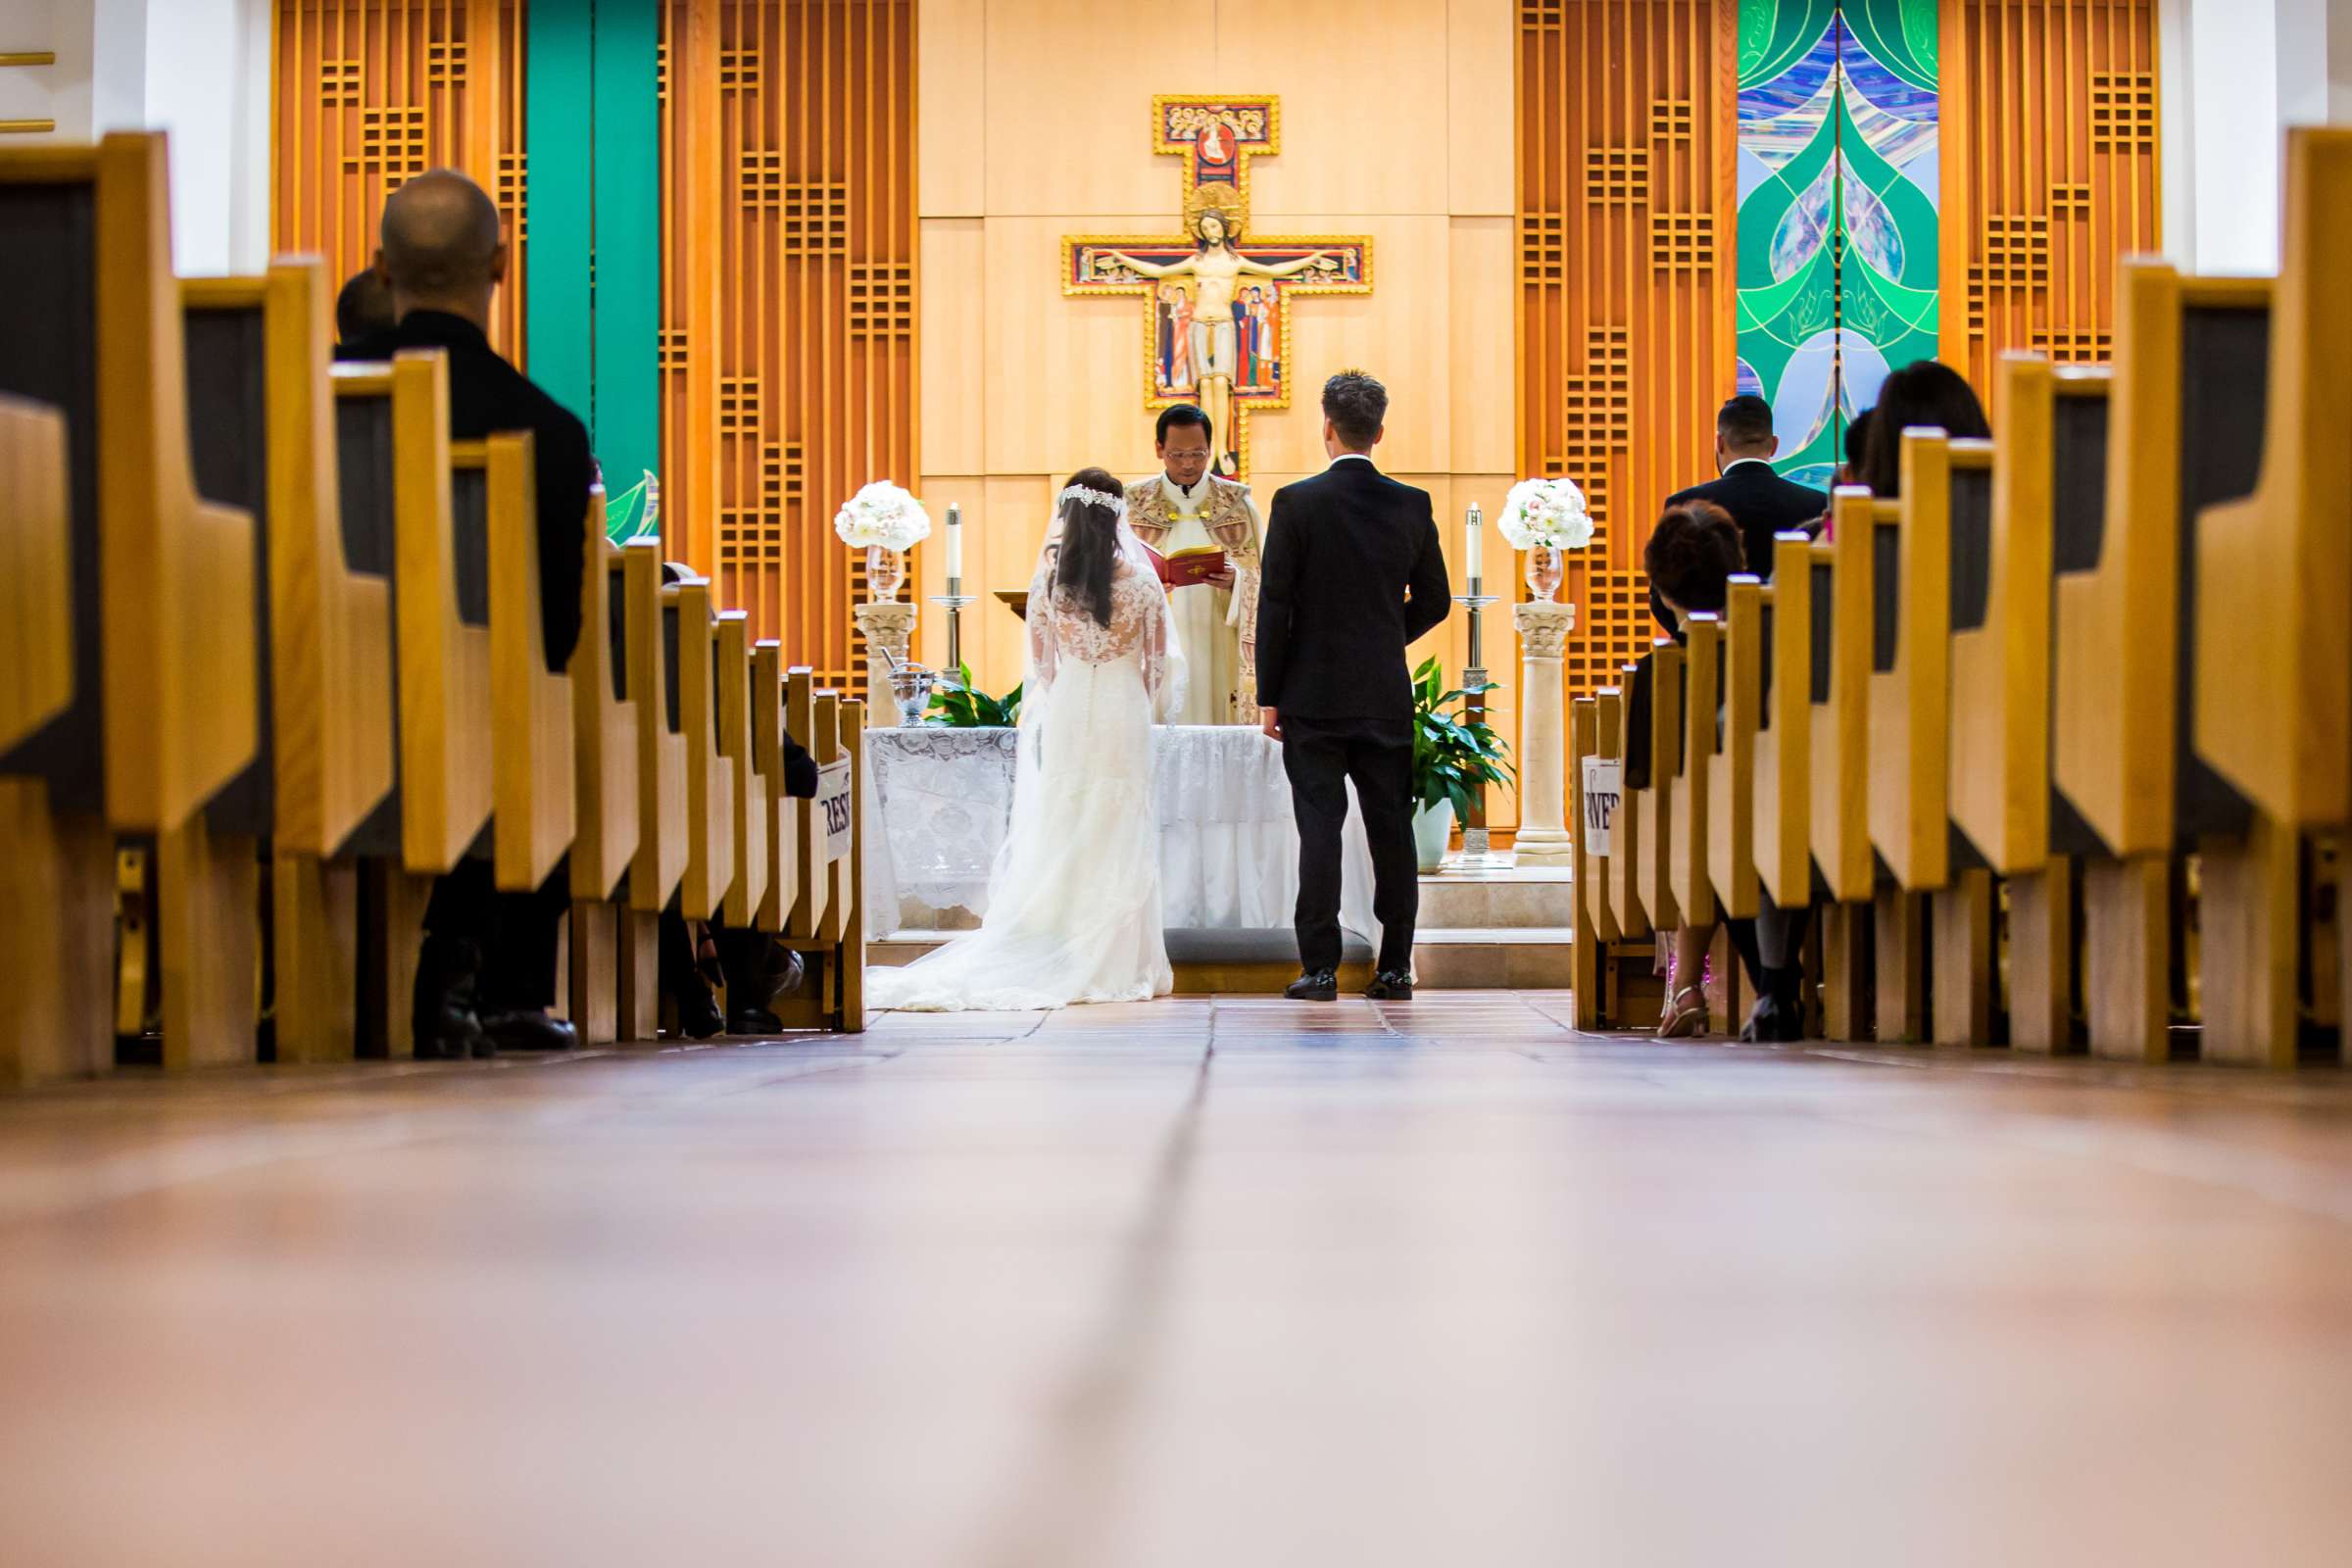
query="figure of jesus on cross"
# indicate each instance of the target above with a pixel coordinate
(1218, 327)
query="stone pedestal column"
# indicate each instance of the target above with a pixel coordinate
(889, 626)
(1543, 628)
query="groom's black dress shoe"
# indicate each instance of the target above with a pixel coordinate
(1315, 985)
(1391, 985)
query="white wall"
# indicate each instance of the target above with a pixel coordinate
(199, 69)
(2235, 74)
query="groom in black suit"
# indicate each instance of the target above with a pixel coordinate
(1353, 573)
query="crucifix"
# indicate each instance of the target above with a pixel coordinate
(1217, 328)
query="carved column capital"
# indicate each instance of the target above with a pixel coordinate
(1544, 628)
(888, 629)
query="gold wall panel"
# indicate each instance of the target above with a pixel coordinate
(2049, 174)
(369, 93)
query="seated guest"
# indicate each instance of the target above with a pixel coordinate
(1760, 501)
(364, 307)
(488, 973)
(1858, 442)
(1692, 557)
(1923, 393)
(754, 965)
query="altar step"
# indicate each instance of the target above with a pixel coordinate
(1502, 928)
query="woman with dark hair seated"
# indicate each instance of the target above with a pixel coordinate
(1924, 392)
(1692, 555)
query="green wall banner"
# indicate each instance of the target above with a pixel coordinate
(1840, 176)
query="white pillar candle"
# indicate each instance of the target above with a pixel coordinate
(954, 542)
(1474, 556)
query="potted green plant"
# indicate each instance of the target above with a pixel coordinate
(1454, 754)
(957, 704)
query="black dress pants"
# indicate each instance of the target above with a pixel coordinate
(1322, 756)
(515, 932)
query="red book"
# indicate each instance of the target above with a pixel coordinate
(1187, 568)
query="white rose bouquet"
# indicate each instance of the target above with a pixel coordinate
(882, 516)
(1545, 515)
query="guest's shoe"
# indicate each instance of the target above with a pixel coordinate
(529, 1029)
(1314, 985)
(755, 1021)
(1391, 985)
(441, 1003)
(1772, 1021)
(699, 1017)
(1686, 1014)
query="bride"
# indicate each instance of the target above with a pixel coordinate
(1073, 899)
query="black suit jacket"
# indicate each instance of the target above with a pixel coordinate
(488, 396)
(1762, 504)
(1352, 573)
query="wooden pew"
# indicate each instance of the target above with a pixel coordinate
(2049, 502)
(2191, 361)
(1934, 549)
(163, 708)
(688, 612)
(1586, 937)
(1777, 641)
(1613, 885)
(1838, 605)
(400, 518)
(783, 825)
(1687, 788)
(2271, 683)
(604, 738)
(2274, 614)
(532, 756)
(1651, 806)
(1730, 809)
(52, 928)
(261, 434)
(827, 923)
(663, 827)
(747, 788)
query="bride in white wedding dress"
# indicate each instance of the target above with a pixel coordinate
(1073, 899)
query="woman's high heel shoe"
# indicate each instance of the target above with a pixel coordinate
(1686, 1014)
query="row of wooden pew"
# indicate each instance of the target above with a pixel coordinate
(2086, 687)
(258, 612)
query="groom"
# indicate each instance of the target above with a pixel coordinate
(1352, 573)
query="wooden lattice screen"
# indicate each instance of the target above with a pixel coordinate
(369, 92)
(1627, 197)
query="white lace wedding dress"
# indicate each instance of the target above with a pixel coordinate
(1074, 899)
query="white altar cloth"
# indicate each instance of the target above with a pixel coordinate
(1228, 844)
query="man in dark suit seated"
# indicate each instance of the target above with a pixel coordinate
(1759, 500)
(488, 974)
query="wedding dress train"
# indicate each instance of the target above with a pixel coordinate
(1074, 898)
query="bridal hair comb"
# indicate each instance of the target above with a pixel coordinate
(1091, 498)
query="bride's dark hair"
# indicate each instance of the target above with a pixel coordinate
(1090, 546)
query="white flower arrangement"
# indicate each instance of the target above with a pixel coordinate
(1545, 515)
(882, 515)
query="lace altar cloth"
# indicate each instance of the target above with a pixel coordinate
(1228, 848)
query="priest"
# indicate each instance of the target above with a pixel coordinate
(1185, 508)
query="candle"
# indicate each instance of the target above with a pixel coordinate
(1474, 554)
(955, 545)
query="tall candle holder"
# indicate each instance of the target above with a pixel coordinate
(953, 602)
(1476, 847)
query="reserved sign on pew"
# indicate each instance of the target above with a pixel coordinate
(833, 804)
(1602, 795)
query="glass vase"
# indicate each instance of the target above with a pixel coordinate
(1546, 568)
(885, 570)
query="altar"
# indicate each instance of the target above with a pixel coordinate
(1228, 847)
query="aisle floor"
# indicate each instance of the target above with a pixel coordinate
(1211, 1282)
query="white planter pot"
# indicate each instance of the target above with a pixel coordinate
(1433, 825)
